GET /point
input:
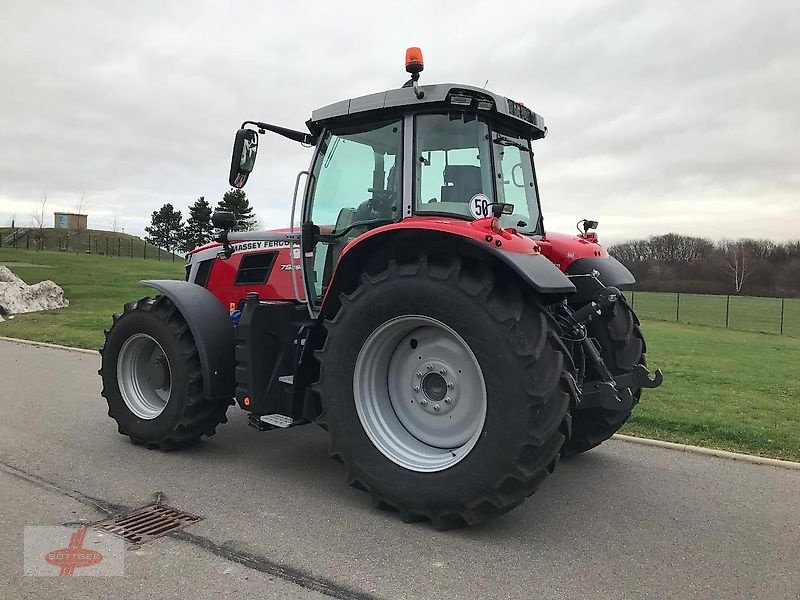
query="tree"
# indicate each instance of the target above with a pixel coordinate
(739, 259)
(39, 220)
(236, 202)
(80, 207)
(165, 228)
(198, 229)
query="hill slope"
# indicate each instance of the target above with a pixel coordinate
(95, 240)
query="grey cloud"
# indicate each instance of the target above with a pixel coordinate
(675, 115)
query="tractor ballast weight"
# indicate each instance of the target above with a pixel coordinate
(420, 312)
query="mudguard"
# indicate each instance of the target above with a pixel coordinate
(211, 329)
(609, 271)
(534, 269)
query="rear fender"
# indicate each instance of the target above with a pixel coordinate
(372, 253)
(211, 329)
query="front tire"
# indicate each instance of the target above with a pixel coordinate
(152, 379)
(622, 348)
(411, 338)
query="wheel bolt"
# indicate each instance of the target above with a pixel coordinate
(443, 372)
(419, 373)
(416, 388)
(429, 367)
(450, 385)
(448, 400)
(436, 407)
(423, 402)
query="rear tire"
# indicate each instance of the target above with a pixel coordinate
(152, 379)
(622, 348)
(520, 372)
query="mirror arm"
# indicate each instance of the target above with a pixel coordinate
(297, 136)
(227, 249)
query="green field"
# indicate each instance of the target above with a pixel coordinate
(723, 388)
(96, 287)
(746, 313)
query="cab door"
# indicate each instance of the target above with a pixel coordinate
(355, 185)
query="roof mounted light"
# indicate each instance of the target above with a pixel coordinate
(485, 105)
(460, 100)
(415, 65)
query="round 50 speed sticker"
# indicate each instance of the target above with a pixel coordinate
(479, 206)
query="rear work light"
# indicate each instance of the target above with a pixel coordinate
(460, 100)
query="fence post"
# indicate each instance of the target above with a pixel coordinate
(144, 250)
(678, 308)
(106, 245)
(119, 247)
(782, 299)
(632, 299)
(727, 309)
(14, 233)
(28, 241)
(159, 254)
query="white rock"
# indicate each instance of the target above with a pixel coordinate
(16, 296)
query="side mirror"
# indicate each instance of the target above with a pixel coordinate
(222, 219)
(245, 147)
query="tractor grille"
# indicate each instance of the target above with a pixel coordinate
(147, 523)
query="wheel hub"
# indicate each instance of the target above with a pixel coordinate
(420, 393)
(436, 391)
(144, 376)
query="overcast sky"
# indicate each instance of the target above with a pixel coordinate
(663, 116)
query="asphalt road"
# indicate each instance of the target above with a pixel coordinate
(623, 521)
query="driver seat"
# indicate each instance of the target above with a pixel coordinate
(461, 182)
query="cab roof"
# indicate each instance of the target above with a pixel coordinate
(403, 100)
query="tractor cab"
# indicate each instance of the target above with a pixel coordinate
(445, 153)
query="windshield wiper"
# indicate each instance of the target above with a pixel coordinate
(337, 235)
(504, 141)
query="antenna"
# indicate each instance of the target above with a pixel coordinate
(485, 84)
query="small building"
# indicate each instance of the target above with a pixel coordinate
(70, 221)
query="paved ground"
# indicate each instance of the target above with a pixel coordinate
(624, 521)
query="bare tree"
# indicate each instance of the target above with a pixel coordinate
(739, 260)
(115, 225)
(39, 219)
(81, 206)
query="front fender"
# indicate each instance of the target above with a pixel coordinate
(211, 329)
(609, 271)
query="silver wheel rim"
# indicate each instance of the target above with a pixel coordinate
(144, 376)
(420, 393)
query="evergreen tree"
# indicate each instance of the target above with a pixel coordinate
(236, 202)
(165, 228)
(198, 229)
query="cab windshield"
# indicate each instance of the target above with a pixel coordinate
(458, 157)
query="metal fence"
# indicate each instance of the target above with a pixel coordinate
(746, 313)
(84, 242)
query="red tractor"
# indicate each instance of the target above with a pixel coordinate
(420, 313)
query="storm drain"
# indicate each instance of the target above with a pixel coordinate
(147, 523)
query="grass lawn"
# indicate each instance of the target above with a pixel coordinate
(723, 388)
(746, 313)
(96, 287)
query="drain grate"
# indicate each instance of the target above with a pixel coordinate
(147, 523)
